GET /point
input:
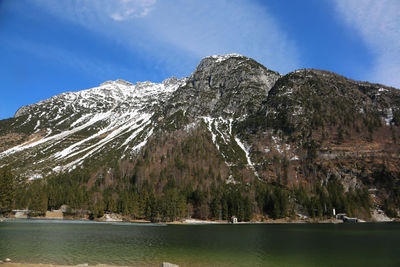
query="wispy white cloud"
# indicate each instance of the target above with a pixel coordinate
(177, 33)
(118, 10)
(218, 27)
(378, 23)
(127, 9)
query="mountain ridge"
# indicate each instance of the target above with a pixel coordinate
(232, 118)
(110, 95)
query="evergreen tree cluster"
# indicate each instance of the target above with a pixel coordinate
(7, 189)
(217, 202)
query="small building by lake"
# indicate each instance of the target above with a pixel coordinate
(345, 218)
(234, 219)
(340, 216)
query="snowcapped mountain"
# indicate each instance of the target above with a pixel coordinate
(257, 122)
(61, 132)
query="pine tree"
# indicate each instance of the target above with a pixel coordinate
(7, 190)
(39, 199)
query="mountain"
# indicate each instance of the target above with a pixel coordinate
(60, 133)
(231, 122)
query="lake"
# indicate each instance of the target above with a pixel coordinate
(77, 242)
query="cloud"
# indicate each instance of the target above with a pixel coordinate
(378, 23)
(117, 10)
(127, 9)
(177, 33)
(218, 27)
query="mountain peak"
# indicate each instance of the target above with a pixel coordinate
(215, 60)
(118, 81)
(220, 58)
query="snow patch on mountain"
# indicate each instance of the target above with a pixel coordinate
(221, 129)
(143, 143)
(209, 123)
(35, 177)
(145, 120)
(389, 116)
(35, 142)
(247, 153)
(37, 125)
(80, 120)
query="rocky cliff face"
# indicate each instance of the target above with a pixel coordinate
(302, 128)
(230, 86)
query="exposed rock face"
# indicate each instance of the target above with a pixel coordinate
(21, 111)
(380, 216)
(230, 86)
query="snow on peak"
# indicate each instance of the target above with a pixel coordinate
(144, 84)
(216, 59)
(220, 58)
(107, 83)
(118, 81)
(116, 113)
(104, 97)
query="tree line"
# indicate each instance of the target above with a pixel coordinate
(218, 201)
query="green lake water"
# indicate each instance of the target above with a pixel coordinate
(76, 242)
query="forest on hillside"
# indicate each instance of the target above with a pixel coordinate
(220, 201)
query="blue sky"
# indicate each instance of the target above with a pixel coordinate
(48, 47)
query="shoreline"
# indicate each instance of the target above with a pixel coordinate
(199, 222)
(183, 222)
